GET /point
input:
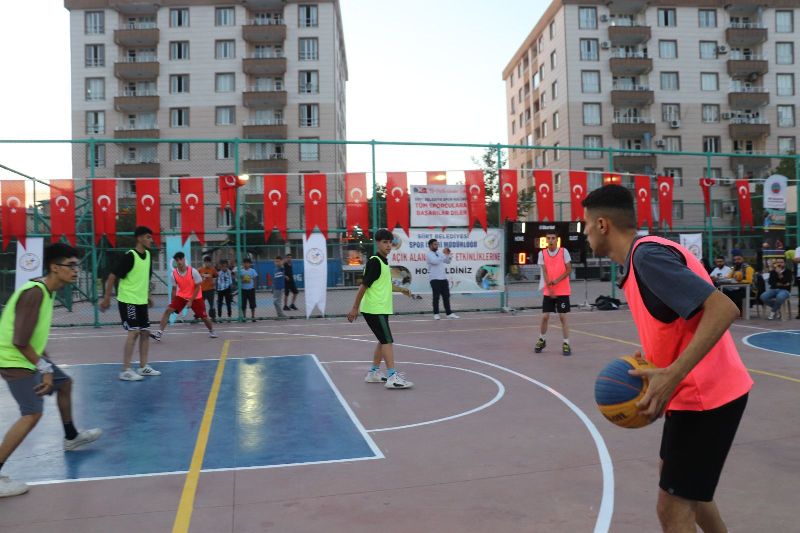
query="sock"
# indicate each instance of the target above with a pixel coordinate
(391, 372)
(69, 431)
(375, 368)
(566, 341)
(543, 336)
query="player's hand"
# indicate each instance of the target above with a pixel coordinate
(406, 292)
(661, 383)
(446, 251)
(105, 303)
(45, 386)
(150, 302)
(352, 315)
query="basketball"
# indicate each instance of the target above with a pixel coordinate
(616, 392)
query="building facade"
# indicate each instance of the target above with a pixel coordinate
(658, 76)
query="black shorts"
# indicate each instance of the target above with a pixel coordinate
(558, 304)
(290, 287)
(248, 297)
(134, 316)
(694, 446)
(379, 324)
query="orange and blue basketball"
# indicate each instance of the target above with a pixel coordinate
(617, 392)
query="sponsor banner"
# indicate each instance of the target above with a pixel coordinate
(694, 243)
(477, 265)
(775, 192)
(439, 206)
(29, 260)
(315, 272)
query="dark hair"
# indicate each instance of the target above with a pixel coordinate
(142, 230)
(431, 241)
(179, 255)
(247, 260)
(288, 255)
(719, 257)
(277, 257)
(383, 234)
(207, 258)
(223, 261)
(615, 202)
(57, 252)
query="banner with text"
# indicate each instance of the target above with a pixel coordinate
(30, 260)
(439, 206)
(477, 264)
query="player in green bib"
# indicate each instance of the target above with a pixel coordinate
(374, 300)
(26, 367)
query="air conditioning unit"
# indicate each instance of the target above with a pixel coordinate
(674, 124)
(660, 143)
(727, 116)
(605, 45)
(730, 209)
(722, 49)
(603, 18)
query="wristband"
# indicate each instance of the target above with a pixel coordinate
(44, 367)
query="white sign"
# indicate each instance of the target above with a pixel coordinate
(438, 206)
(477, 265)
(775, 192)
(29, 260)
(315, 272)
(694, 243)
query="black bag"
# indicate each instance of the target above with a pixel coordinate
(606, 303)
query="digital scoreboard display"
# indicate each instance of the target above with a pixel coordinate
(526, 239)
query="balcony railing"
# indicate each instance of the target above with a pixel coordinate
(266, 22)
(622, 86)
(633, 120)
(266, 122)
(141, 25)
(736, 88)
(747, 25)
(749, 120)
(267, 55)
(624, 54)
(740, 56)
(138, 161)
(141, 58)
(626, 22)
(257, 89)
(130, 127)
(267, 157)
(138, 92)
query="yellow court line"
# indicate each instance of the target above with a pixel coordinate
(184, 515)
(780, 376)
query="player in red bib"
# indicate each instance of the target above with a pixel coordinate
(556, 266)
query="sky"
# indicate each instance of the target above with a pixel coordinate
(419, 70)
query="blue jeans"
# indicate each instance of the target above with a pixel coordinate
(774, 298)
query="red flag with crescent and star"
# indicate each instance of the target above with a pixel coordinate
(14, 212)
(544, 194)
(62, 210)
(356, 206)
(192, 209)
(665, 185)
(276, 203)
(644, 201)
(227, 192)
(577, 192)
(508, 194)
(148, 206)
(746, 210)
(316, 196)
(397, 213)
(705, 184)
(476, 198)
(104, 207)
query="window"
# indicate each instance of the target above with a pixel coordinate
(95, 55)
(711, 144)
(544, 128)
(553, 61)
(541, 72)
(590, 81)
(95, 23)
(308, 49)
(786, 116)
(309, 115)
(672, 143)
(178, 83)
(707, 18)
(95, 122)
(785, 84)
(224, 150)
(99, 156)
(708, 49)
(179, 117)
(784, 21)
(178, 151)
(225, 49)
(710, 113)
(667, 18)
(556, 123)
(225, 216)
(179, 17)
(552, 29)
(784, 53)
(309, 151)
(786, 145)
(709, 81)
(676, 174)
(593, 141)
(225, 82)
(307, 16)
(225, 115)
(224, 16)
(309, 83)
(554, 89)
(95, 89)
(591, 115)
(556, 152)
(670, 81)
(587, 18)
(677, 209)
(668, 49)
(174, 218)
(670, 112)
(179, 50)
(589, 50)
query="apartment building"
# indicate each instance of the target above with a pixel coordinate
(658, 76)
(203, 69)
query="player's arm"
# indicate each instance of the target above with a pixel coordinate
(748, 275)
(351, 316)
(403, 290)
(198, 280)
(25, 320)
(433, 258)
(564, 275)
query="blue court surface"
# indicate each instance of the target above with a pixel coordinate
(271, 411)
(786, 342)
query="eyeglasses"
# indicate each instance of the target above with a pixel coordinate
(72, 266)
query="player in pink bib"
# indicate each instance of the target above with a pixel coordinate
(556, 266)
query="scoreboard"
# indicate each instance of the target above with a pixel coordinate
(526, 239)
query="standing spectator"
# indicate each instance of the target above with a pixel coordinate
(247, 277)
(721, 270)
(224, 287)
(278, 285)
(556, 268)
(209, 275)
(290, 285)
(797, 277)
(436, 272)
(780, 283)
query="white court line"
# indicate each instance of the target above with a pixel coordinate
(189, 360)
(501, 391)
(746, 340)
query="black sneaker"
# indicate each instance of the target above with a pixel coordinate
(293, 307)
(565, 349)
(540, 344)
(285, 307)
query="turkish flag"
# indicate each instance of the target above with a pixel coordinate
(276, 203)
(192, 209)
(476, 197)
(316, 188)
(356, 206)
(62, 210)
(665, 186)
(397, 201)
(14, 212)
(577, 192)
(705, 184)
(508, 194)
(644, 202)
(436, 177)
(148, 206)
(544, 194)
(746, 210)
(104, 203)
(227, 192)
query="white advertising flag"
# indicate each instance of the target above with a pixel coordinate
(315, 272)
(439, 206)
(775, 192)
(694, 243)
(29, 260)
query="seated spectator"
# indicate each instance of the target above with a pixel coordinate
(741, 272)
(721, 270)
(780, 283)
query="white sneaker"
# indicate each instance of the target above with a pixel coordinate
(375, 376)
(436, 317)
(9, 487)
(212, 334)
(398, 381)
(771, 315)
(453, 315)
(130, 375)
(84, 437)
(147, 370)
(156, 335)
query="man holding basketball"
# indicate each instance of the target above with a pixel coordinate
(556, 266)
(701, 384)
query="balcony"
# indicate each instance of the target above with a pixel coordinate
(137, 35)
(137, 132)
(136, 101)
(255, 97)
(137, 168)
(128, 7)
(635, 163)
(745, 97)
(274, 164)
(628, 94)
(259, 31)
(750, 161)
(276, 129)
(624, 63)
(627, 7)
(265, 66)
(747, 66)
(632, 127)
(745, 34)
(748, 128)
(628, 35)
(137, 68)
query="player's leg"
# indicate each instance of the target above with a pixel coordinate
(541, 342)
(435, 298)
(73, 438)
(130, 342)
(30, 407)
(708, 518)
(676, 514)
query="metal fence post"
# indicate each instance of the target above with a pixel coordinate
(93, 243)
(797, 202)
(238, 220)
(613, 265)
(374, 199)
(709, 221)
(504, 293)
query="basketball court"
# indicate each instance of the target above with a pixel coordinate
(275, 425)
